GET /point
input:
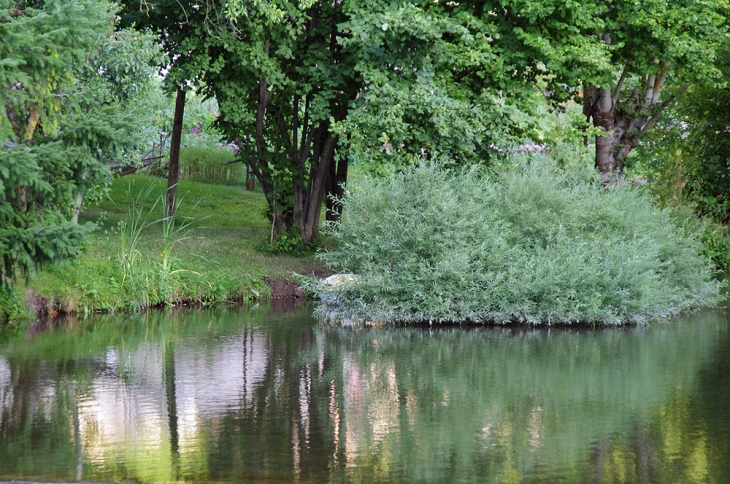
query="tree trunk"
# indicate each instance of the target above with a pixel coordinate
(77, 207)
(173, 172)
(604, 116)
(624, 128)
(309, 222)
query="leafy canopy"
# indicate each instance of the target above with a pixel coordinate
(67, 87)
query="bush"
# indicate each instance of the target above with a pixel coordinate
(534, 245)
(12, 307)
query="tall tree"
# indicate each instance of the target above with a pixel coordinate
(62, 117)
(280, 78)
(628, 59)
(38, 178)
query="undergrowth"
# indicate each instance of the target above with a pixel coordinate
(12, 307)
(534, 245)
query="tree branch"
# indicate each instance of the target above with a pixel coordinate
(662, 107)
(614, 98)
(659, 83)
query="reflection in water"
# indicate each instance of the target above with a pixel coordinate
(270, 396)
(5, 381)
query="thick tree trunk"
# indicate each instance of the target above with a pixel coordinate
(624, 130)
(604, 117)
(309, 222)
(174, 170)
(624, 127)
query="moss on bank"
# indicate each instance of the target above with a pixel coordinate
(217, 258)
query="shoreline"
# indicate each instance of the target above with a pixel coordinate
(217, 250)
(39, 306)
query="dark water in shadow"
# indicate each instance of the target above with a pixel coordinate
(266, 395)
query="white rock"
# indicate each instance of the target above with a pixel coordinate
(336, 280)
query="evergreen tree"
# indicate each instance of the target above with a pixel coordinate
(64, 113)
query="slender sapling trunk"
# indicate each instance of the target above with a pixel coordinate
(174, 170)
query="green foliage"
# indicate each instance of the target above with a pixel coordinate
(716, 243)
(12, 308)
(434, 85)
(533, 244)
(112, 99)
(686, 157)
(68, 91)
(40, 178)
(198, 130)
(303, 85)
(685, 160)
(715, 237)
(566, 38)
(290, 243)
(217, 258)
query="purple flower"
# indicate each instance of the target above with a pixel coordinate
(200, 123)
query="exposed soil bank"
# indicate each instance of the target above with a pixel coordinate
(39, 306)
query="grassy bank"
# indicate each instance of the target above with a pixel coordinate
(213, 253)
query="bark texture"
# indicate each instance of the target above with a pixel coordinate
(625, 121)
(174, 169)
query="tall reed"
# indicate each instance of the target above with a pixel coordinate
(147, 281)
(130, 258)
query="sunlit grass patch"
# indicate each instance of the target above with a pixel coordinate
(217, 260)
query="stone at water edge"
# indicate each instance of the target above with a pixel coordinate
(340, 280)
(336, 280)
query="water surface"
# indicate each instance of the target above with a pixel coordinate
(269, 396)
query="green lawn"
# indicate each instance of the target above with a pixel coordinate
(221, 258)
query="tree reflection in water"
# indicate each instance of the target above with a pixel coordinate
(256, 394)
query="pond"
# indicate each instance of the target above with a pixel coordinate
(267, 395)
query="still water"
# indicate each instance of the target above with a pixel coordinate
(267, 395)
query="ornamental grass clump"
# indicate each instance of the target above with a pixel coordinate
(534, 245)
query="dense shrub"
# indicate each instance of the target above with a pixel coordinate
(533, 245)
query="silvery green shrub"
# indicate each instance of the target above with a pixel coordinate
(534, 245)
